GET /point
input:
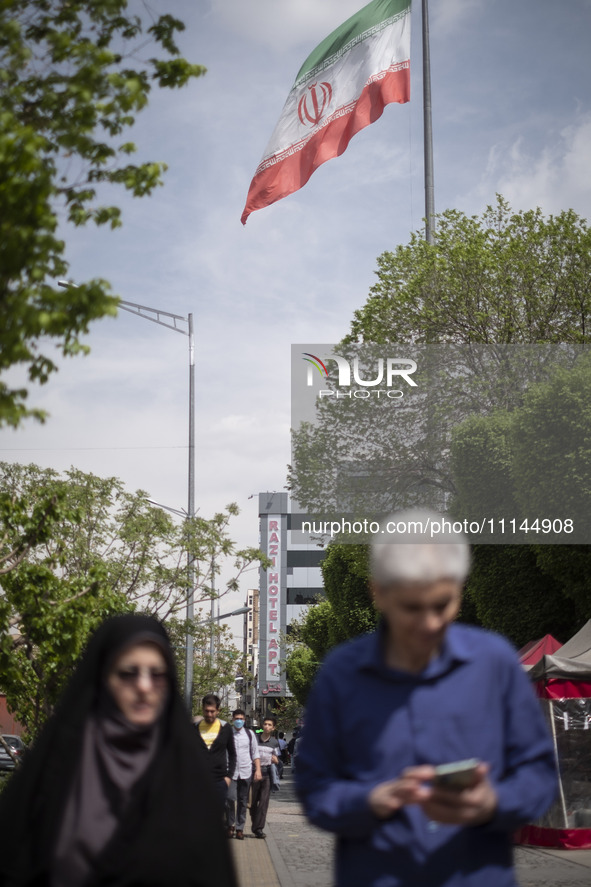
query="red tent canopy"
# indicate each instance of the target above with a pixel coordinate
(534, 650)
(563, 683)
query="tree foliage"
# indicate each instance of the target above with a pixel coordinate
(73, 76)
(301, 667)
(288, 713)
(346, 612)
(215, 668)
(541, 453)
(504, 277)
(513, 595)
(459, 305)
(77, 548)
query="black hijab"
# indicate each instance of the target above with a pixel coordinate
(158, 812)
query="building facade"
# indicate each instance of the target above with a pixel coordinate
(248, 699)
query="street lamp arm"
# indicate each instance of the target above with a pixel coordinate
(180, 512)
(138, 310)
(238, 612)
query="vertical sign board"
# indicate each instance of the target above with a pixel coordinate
(273, 511)
(274, 600)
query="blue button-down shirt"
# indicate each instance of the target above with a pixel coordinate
(366, 722)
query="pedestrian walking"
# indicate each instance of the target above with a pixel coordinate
(261, 791)
(283, 753)
(246, 771)
(217, 740)
(115, 790)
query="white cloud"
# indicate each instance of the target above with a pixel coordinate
(554, 177)
(283, 25)
(450, 15)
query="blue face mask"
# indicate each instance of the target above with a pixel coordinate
(238, 723)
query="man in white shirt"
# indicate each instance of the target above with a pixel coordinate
(247, 758)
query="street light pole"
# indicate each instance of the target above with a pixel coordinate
(172, 321)
(212, 617)
(191, 515)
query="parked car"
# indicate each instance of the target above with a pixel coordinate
(17, 746)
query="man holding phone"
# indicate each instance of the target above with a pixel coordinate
(390, 708)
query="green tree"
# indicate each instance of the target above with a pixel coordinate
(301, 667)
(77, 548)
(346, 612)
(211, 674)
(458, 304)
(504, 277)
(288, 712)
(73, 76)
(540, 454)
(514, 596)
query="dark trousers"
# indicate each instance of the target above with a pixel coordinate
(222, 790)
(237, 803)
(260, 801)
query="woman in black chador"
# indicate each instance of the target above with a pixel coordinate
(115, 791)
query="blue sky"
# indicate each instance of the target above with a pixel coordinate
(511, 113)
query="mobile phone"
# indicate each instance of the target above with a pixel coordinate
(457, 775)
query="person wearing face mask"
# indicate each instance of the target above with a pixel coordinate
(247, 764)
(116, 791)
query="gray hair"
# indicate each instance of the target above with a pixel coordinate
(420, 546)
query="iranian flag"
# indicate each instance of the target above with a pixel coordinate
(341, 88)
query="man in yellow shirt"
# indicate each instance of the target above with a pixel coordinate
(218, 741)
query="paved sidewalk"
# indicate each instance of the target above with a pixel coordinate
(295, 854)
(254, 867)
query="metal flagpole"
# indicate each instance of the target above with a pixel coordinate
(428, 130)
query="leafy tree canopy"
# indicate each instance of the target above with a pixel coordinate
(486, 283)
(77, 548)
(541, 454)
(502, 278)
(73, 76)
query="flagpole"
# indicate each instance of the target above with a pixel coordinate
(428, 130)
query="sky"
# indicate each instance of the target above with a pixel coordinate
(511, 92)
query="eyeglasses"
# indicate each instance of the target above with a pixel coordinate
(130, 675)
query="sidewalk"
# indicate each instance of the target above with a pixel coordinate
(295, 854)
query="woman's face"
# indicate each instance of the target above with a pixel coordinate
(138, 682)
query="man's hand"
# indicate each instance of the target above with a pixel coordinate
(274, 759)
(228, 781)
(470, 806)
(388, 797)
(257, 772)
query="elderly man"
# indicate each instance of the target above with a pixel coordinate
(389, 707)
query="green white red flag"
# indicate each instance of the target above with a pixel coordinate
(341, 88)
